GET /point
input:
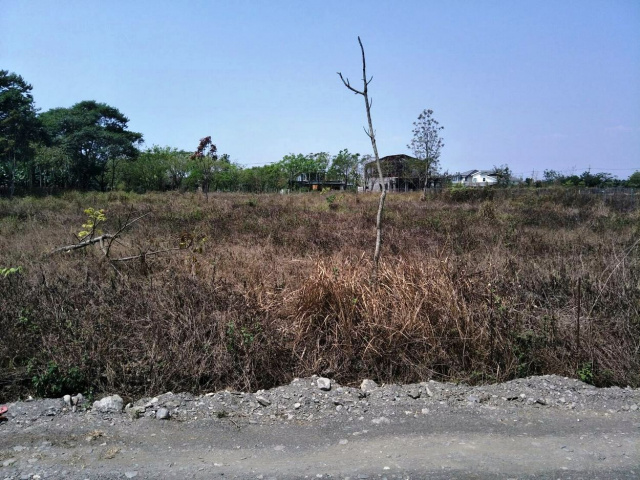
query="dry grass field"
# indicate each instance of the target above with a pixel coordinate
(473, 286)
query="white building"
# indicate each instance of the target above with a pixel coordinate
(475, 178)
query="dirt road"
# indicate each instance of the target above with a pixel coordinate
(542, 427)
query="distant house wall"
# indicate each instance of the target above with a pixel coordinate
(475, 178)
(483, 179)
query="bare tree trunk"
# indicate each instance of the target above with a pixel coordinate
(371, 134)
(12, 182)
(113, 173)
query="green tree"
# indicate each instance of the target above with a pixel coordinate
(19, 125)
(293, 165)
(96, 137)
(634, 180)
(427, 143)
(345, 167)
(156, 168)
(503, 173)
(312, 167)
(267, 178)
(601, 180)
(51, 166)
(316, 165)
(203, 164)
(177, 168)
(226, 174)
(551, 176)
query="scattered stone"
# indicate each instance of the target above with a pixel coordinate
(163, 414)
(67, 399)
(77, 400)
(473, 399)
(131, 474)
(324, 383)
(368, 385)
(112, 404)
(265, 402)
(415, 394)
(380, 420)
(135, 412)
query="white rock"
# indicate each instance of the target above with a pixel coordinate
(324, 383)
(381, 420)
(163, 414)
(67, 399)
(265, 402)
(368, 385)
(112, 404)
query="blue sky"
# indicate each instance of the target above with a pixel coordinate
(532, 84)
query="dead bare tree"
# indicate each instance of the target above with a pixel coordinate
(372, 136)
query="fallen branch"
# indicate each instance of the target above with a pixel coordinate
(101, 239)
(146, 254)
(83, 244)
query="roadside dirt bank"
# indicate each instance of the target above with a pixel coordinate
(539, 427)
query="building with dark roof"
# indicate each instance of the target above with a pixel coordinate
(400, 173)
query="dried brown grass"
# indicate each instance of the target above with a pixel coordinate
(474, 289)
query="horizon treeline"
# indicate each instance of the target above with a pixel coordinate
(89, 146)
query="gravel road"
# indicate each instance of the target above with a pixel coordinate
(539, 427)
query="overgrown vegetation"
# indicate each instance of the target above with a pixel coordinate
(260, 289)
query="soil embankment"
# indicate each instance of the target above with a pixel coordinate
(540, 427)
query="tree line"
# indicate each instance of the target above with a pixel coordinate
(587, 179)
(89, 146)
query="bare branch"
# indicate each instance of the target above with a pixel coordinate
(145, 255)
(83, 244)
(101, 239)
(348, 85)
(127, 223)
